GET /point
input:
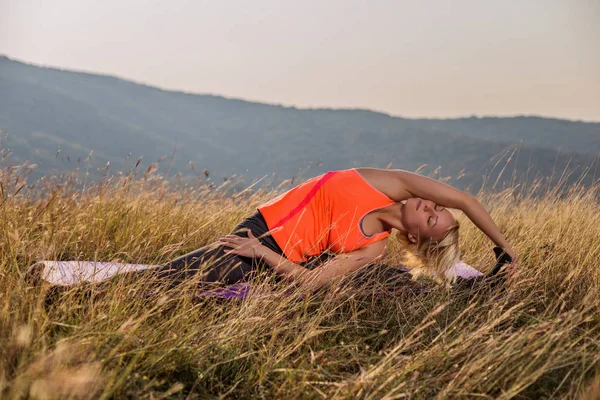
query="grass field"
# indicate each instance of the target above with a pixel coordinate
(539, 338)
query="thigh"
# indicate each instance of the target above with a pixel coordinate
(257, 224)
(212, 263)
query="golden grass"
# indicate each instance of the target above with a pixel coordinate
(538, 339)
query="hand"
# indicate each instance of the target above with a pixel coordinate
(512, 268)
(242, 246)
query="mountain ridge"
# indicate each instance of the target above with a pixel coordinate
(4, 57)
(114, 117)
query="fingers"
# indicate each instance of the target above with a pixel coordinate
(237, 237)
(230, 241)
(512, 273)
(240, 245)
(234, 242)
(510, 280)
(231, 237)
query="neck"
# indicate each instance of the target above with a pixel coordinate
(391, 217)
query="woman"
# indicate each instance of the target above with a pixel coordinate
(350, 213)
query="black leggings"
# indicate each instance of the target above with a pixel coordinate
(215, 265)
(213, 261)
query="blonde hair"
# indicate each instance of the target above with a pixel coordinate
(433, 258)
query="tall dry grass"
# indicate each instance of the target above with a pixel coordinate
(540, 338)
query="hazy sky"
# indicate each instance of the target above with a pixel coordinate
(407, 58)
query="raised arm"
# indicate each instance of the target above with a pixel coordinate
(400, 185)
(448, 196)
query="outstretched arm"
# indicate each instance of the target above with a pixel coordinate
(482, 219)
(400, 185)
(326, 274)
(448, 196)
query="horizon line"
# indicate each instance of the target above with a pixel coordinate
(317, 108)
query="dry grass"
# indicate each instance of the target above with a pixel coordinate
(538, 339)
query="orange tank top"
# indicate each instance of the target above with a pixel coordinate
(324, 213)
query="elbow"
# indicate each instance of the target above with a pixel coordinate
(311, 281)
(468, 202)
(313, 286)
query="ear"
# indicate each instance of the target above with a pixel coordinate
(412, 238)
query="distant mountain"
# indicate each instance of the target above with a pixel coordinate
(45, 109)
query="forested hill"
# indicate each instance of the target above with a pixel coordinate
(43, 109)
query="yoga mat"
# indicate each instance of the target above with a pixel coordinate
(74, 272)
(463, 270)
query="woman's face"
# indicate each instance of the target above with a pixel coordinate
(424, 220)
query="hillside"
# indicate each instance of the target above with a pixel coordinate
(43, 109)
(374, 336)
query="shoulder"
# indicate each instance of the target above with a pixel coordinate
(387, 181)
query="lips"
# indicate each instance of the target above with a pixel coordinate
(418, 204)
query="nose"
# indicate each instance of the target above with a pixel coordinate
(430, 209)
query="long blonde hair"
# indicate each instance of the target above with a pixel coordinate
(430, 257)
